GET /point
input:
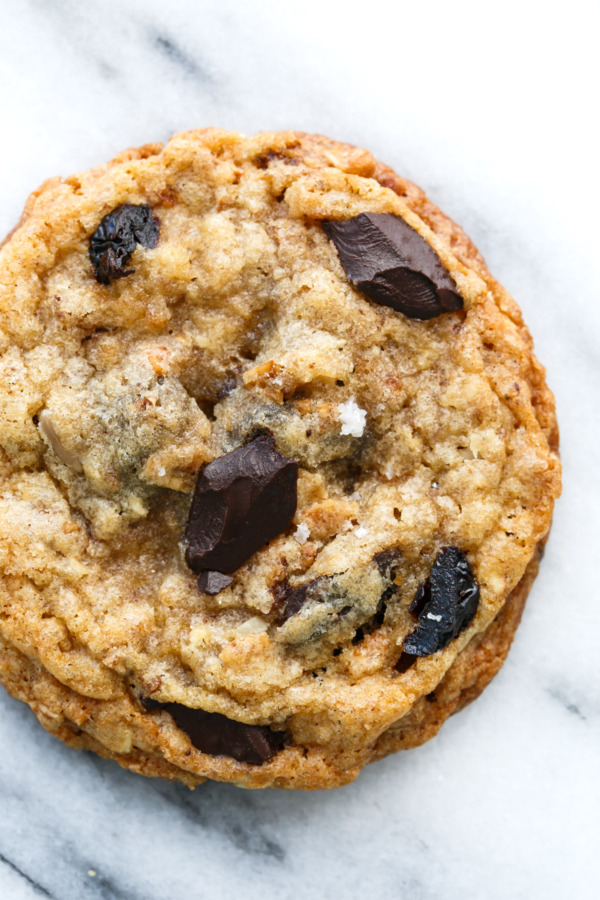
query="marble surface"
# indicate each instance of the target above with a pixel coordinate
(488, 107)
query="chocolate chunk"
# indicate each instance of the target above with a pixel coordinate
(323, 590)
(387, 562)
(227, 386)
(391, 263)
(374, 623)
(219, 736)
(241, 502)
(213, 582)
(115, 239)
(322, 609)
(405, 662)
(289, 600)
(421, 599)
(444, 605)
(150, 705)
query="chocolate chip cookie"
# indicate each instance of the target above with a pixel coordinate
(277, 461)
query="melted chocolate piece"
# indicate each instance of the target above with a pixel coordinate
(290, 600)
(444, 605)
(388, 562)
(217, 735)
(213, 582)
(374, 623)
(117, 236)
(241, 502)
(391, 263)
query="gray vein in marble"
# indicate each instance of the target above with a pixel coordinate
(245, 836)
(563, 699)
(105, 885)
(100, 887)
(76, 36)
(175, 54)
(38, 888)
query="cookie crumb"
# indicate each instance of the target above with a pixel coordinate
(353, 418)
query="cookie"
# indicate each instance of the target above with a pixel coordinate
(277, 461)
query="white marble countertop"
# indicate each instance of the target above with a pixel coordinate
(492, 109)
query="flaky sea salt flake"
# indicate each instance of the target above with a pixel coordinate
(302, 533)
(352, 417)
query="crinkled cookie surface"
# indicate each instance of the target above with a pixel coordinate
(229, 318)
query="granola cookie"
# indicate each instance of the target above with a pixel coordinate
(276, 458)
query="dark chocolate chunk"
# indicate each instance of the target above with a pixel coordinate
(405, 662)
(150, 705)
(115, 239)
(336, 607)
(216, 734)
(241, 502)
(391, 263)
(421, 599)
(444, 605)
(322, 609)
(219, 736)
(387, 561)
(289, 600)
(213, 582)
(227, 386)
(374, 623)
